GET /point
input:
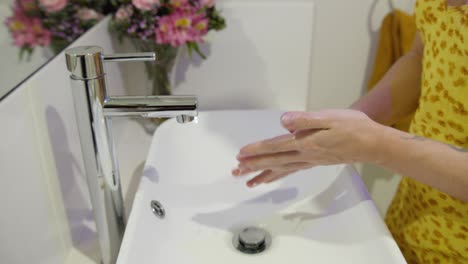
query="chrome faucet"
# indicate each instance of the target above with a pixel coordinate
(94, 111)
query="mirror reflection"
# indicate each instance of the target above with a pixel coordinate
(34, 31)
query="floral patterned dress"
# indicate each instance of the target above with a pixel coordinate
(431, 226)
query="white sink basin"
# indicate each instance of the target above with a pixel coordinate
(321, 215)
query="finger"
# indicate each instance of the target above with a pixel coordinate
(259, 178)
(240, 171)
(294, 121)
(267, 177)
(263, 162)
(283, 143)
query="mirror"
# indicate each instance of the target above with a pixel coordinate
(33, 31)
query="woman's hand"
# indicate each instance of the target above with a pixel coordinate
(315, 138)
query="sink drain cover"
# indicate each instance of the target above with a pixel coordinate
(252, 240)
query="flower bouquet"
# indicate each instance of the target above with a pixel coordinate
(162, 26)
(51, 23)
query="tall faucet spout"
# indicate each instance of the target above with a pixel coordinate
(151, 106)
(94, 111)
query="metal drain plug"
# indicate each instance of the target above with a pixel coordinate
(252, 240)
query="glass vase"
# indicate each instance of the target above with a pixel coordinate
(158, 71)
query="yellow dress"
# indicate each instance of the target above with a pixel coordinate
(428, 225)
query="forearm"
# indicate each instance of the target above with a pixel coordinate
(396, 95)
(436, 164)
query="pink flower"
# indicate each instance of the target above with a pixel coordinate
(88, 14)
(181, 27)
(53, 6)
(145, 4)
(201, 25)
(124, 12)
(18, 21)
(208, 3)
(27, 32)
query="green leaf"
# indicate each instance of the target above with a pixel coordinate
(216, 22)
(21, 54)
(26, 50)
(198, 51)
(190, 49)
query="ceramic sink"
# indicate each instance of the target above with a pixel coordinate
(320, 215)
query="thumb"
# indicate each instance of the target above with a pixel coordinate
(294, 121)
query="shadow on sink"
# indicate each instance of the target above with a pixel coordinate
(275, 197)
(309, 218)
(150, 173)
(227, 190)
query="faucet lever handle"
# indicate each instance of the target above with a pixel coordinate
(140, 56)
(86, 62)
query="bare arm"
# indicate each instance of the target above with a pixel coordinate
(430, 162)
(348, 136)
(396, 95)
(442, 166)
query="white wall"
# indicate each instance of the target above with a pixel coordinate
(346, 35)
(46, 213)
(261, 60)
(30, 228)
